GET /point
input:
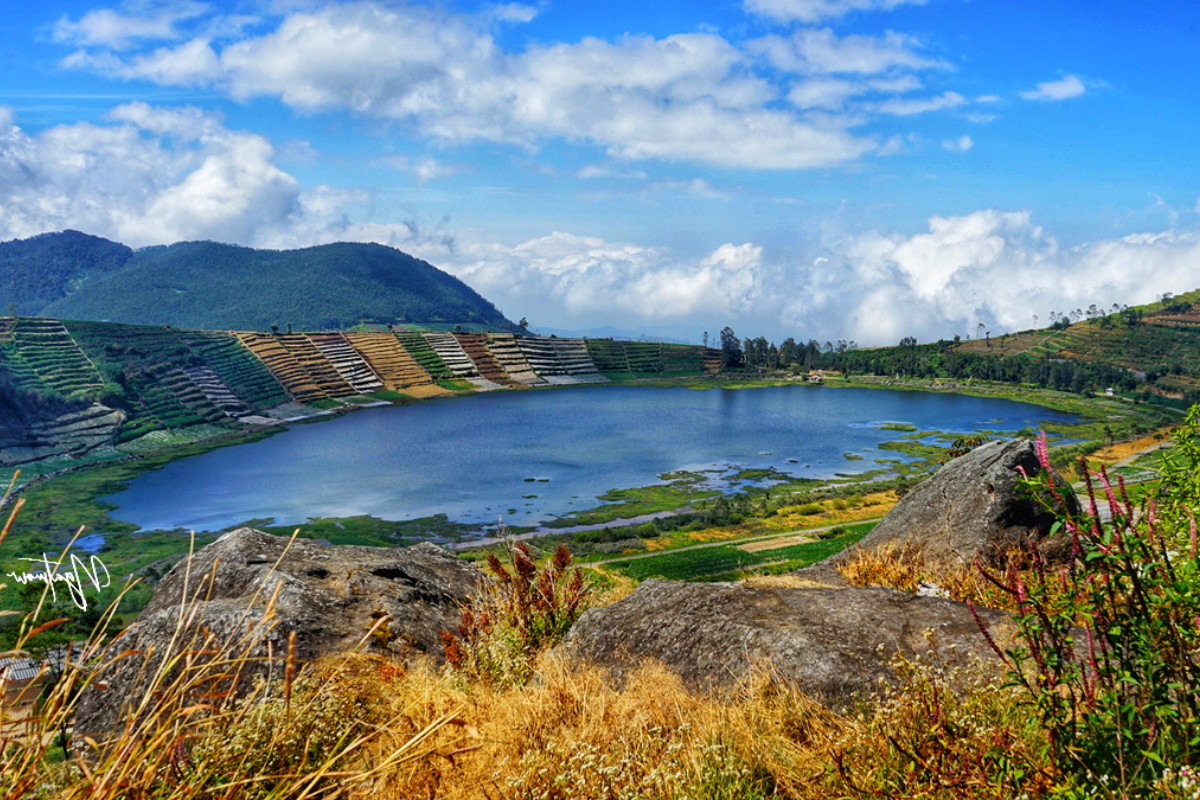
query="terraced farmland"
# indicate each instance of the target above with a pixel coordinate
(636, 359)
(49, 350)
(452, 355)
(424, 355)
(511, 359)
(284, 366)
(394, 365)
(118, 383)
(348, 363)
(560, 361)
(475, 345)
(244, 375)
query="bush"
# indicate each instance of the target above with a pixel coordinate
(525, 609)
(1108, 643)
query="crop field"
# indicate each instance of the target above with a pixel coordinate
(729, 561)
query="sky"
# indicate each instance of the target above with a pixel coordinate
(833, 169)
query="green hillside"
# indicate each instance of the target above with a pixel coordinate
(37, 271)
(1152, 351)
(211, 286)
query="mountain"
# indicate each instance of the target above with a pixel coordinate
(207, 285)
(37, 271)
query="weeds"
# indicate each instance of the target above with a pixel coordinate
(523, 610)
(1109, 642)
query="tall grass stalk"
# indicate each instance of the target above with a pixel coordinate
(208, 717)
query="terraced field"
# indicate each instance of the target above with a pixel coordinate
(395, 366)
(452, 355)
(48, 349)
(348, 363)
(560, 361)
(284, 366)
(475, 345)
(157, 378)
(241, 373)
(511, 359)
(424, 355)
(646, 359)
(148, 363)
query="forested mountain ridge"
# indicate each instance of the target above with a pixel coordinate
(37, 271)
(207, 285)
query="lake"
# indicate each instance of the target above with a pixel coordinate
(530, 456)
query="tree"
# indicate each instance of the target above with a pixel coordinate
(523, 324)
(731, 348)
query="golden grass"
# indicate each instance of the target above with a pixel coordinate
(774, 544)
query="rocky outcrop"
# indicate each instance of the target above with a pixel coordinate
(252, 592)
(974, 508)
(834, 644)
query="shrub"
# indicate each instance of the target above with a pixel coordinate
(1108, 643)
(523, 610)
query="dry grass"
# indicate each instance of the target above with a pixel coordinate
(773, 544)
(899, 566)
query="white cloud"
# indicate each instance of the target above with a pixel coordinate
(109, 28)
(960, 145)
(566, 279)
(688, 97)
(1067, 87)
(994, 267)
(821, 51)
(593, 171)
(904, 107)
(817, 10)
(423, 169)
(149, 176)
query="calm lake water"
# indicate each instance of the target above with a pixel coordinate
(471, 457)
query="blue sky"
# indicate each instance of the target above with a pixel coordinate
(859, 169)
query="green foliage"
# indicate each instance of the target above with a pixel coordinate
(39, 270)
(1108, 642)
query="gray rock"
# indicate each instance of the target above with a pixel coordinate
(834, 644)
(972, 509)
(331, 597)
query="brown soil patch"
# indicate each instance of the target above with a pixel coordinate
(773, 544)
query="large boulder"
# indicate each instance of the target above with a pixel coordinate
(835, 644)
(975, 508)
(251, 592)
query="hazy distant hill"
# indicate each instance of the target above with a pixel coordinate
(207, 285)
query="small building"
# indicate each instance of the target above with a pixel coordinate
(22, 678)
(1110, 392)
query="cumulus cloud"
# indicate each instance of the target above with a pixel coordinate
(817, 10)
(995, 267)
(1065, 88)
(991, 266)
(566, 279)
(110, 28)
(821, 51)
(146, 176)
(694, 97)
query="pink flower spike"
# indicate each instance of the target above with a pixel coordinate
(1042, 453)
